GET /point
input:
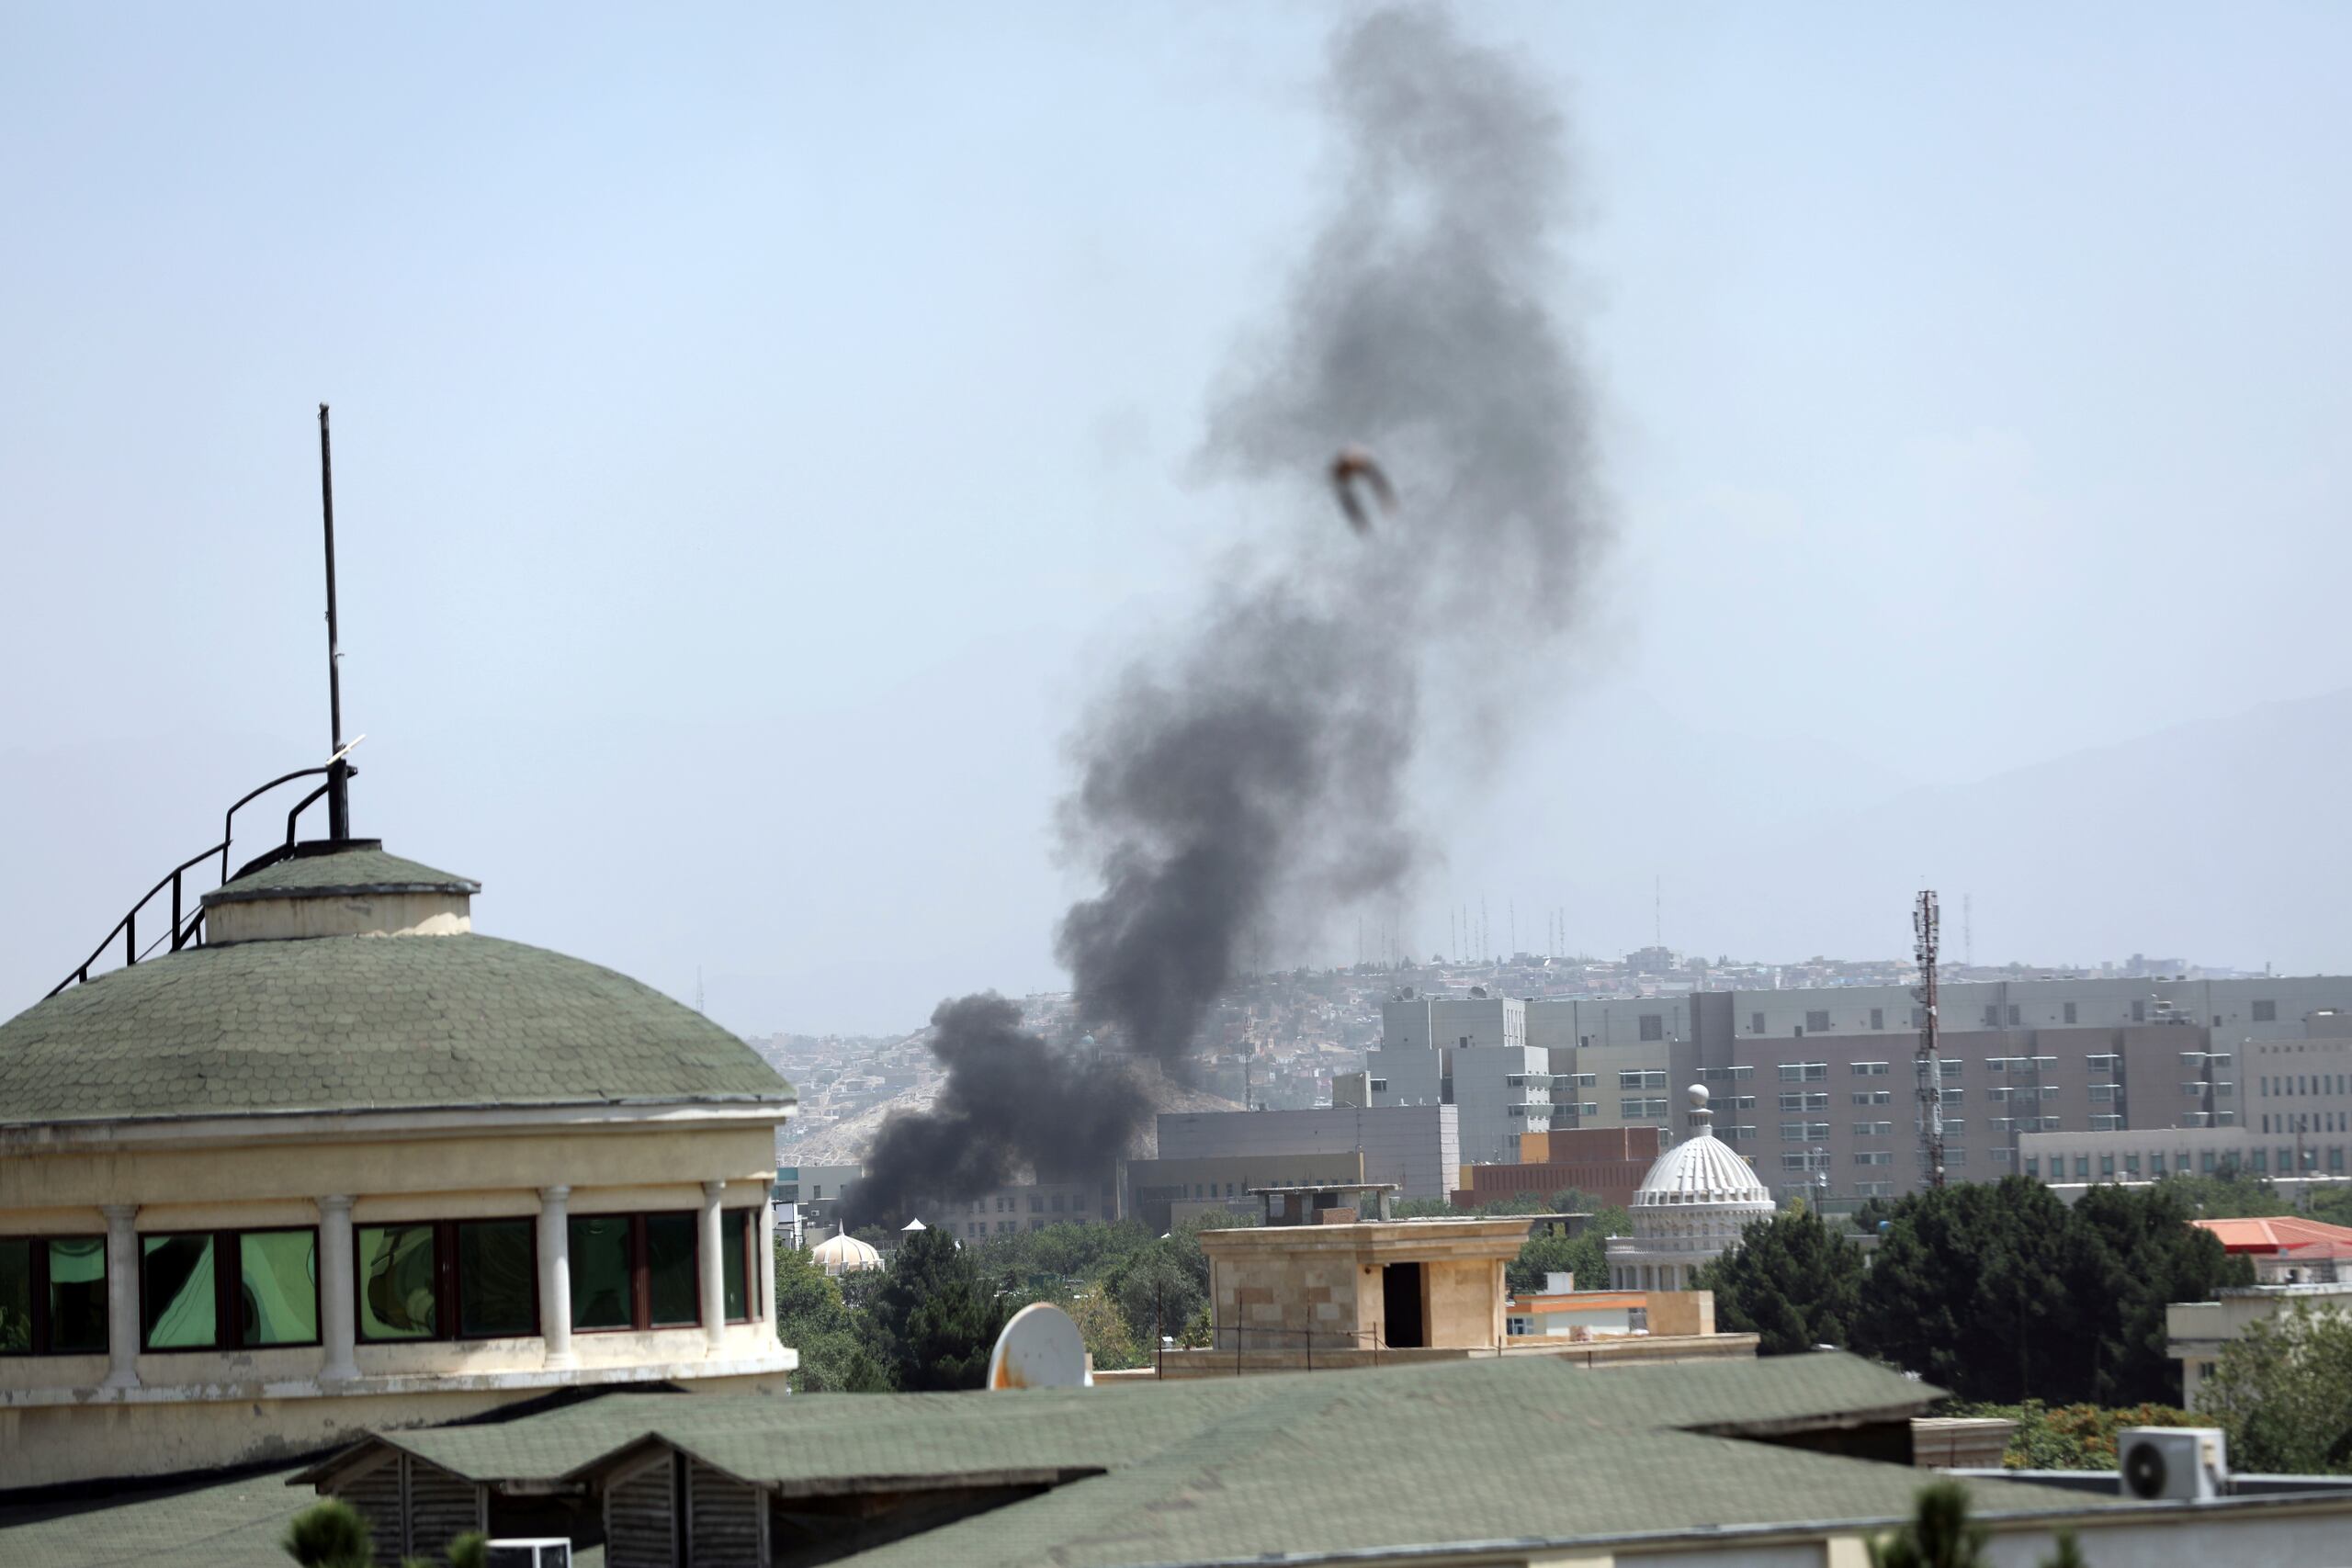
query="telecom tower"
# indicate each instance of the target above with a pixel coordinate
(1924, 924)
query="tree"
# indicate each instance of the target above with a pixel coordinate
(2282, 1391)
(1999, 1292)
(1939, 1534)
(1105, 1328)
(1586, 1254)
(2230, 1194)
(933, 1321)
(2331, 1205)
(1965, 1289)
(2128, 1254)
(330, 1533)
(2069, 1437)
(1794, 1281)
(812, 1317)
(1159, 1287)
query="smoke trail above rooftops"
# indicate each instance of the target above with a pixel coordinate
(1254, 773)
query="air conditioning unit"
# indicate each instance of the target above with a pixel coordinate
(2172, 1462)
(547, 1552)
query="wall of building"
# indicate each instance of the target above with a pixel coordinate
(1417, 1148)
(1027, 1206)
(132, 1410)
(1281, 1287)
(2196, 1332)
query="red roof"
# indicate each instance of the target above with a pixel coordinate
(2281, 1234)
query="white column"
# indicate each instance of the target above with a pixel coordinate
(712, 1254)
(555, 1276)
(122, 1295)
(338, 1309)
(763, 1269)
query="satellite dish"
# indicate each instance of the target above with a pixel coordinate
(1041, 1348)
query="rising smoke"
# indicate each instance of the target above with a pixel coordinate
(1253, 774)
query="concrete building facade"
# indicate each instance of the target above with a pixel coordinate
(1415, 1148)
(1471, 1052)
(1816, 1089)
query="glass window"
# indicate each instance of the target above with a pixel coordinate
(498, 1287)
(676, 1293)
(178, 1292)
(734, 1233)
(17, 1297)
(601, 1295)
(398, 1282)
(77, 1294)
(278, 1288)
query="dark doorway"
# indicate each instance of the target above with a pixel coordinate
(1400, 1304)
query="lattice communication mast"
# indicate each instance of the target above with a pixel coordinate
(1924, 926)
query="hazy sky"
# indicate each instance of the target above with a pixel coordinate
(758, 430)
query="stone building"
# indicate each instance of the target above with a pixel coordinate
(1688, 1211)
(345, 1165)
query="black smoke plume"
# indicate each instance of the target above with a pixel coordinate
(1253, 775)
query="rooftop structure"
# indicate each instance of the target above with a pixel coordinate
(345, 1163)
(842, 1253)
(2288, 1249)
(1688, 1211)
(1731, 1462)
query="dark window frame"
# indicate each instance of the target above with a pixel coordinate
(39, 1288)
(749, 1220)
(448, 1311)
(228, 1293)
(640, 1275)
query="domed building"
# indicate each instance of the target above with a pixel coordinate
(1688, 1211)
(844, 1254)
(335, 1162)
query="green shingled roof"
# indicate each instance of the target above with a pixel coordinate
(232, 1524)
(364, 1022)
(1522, 1447)
(363, 868)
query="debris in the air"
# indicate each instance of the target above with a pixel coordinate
(1352, 464)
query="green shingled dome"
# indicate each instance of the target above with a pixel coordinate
(362, 868)
(364, 1022)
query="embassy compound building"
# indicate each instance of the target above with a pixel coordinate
(1816, 1089)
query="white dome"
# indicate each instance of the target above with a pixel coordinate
(844, 1254)
(1688, 1211)
(1701, 1168)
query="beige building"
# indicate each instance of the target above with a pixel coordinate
(1318, 1287)
(2196, 1332)
(344, 1165)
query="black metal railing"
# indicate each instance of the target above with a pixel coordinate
(1245, 1339)
(185, 928)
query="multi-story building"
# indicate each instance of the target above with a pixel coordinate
(1471, 1052)
(1818, 1087)
(2294, 1125)
(1029, 1206)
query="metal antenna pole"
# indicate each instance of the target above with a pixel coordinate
(1924, 922)
(339, 771)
